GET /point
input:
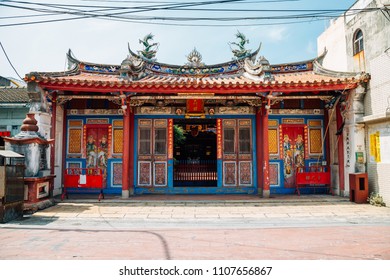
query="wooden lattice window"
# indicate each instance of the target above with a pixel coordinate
(315, 141)
(75, 134)
(273, 138)
(273, 143)
(117, 136)
(118, 140)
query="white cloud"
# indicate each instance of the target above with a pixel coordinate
(277, 33)
(311, 48)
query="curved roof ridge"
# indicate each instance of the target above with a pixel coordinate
(294, 63)
(85, 66)
(74, 60)
(250, 55)
(318, 68)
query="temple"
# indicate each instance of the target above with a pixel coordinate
(241, 127)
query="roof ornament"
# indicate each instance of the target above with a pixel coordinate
(150, 50)
(72, 61)
(241, 51)
(259, 69)
(132, 67)
(194, 59)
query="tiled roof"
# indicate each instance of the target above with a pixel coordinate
(154, 77)
(237, 83)
(13, 95)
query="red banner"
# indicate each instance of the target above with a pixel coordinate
(219, 139)
(195, 106)
(170, 138)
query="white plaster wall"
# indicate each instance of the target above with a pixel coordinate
(379, 172)
(378, 100)
(333, 40)
(44, 124)
(376, 30)
(358, 5)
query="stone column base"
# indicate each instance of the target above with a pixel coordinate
(125, 194)
(266, 194)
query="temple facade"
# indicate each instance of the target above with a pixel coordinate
(241, 127)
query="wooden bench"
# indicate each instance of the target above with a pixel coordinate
(313, 177)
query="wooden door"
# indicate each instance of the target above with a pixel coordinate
(152, 152)
(237, 152)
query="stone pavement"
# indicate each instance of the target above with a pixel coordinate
(306, 227)
(189, 211)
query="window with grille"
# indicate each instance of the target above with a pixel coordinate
(160, 142)
(244, 140)
(144, 140)
(358, 42)
(228, 140)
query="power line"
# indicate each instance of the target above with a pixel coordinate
(86, 15)
(9, 61)
(101, 13)
(130, 1)
(182, 6)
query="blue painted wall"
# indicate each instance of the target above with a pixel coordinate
(110, 188)
(280, 188)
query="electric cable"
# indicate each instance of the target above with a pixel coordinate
(9, 61)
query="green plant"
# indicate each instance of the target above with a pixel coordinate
(376, 200)
(179, 135)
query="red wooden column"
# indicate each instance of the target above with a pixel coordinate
(259, 151)
(340, 150)
(126, 152)
(64, 143)
(53, 136)
(53, 132)
(131, 151)
(326, 136)
(266, 184)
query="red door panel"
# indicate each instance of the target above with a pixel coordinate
(97, 148)
(293, 152)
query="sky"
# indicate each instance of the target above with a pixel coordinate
(42, 47)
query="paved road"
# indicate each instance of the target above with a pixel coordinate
(200, 231)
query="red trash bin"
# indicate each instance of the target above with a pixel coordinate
(358, 187)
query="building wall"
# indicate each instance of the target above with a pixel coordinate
(11, 119)
(378, 167)
(333, 41)
(375, 60)
(376, 34)
(378, 99)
